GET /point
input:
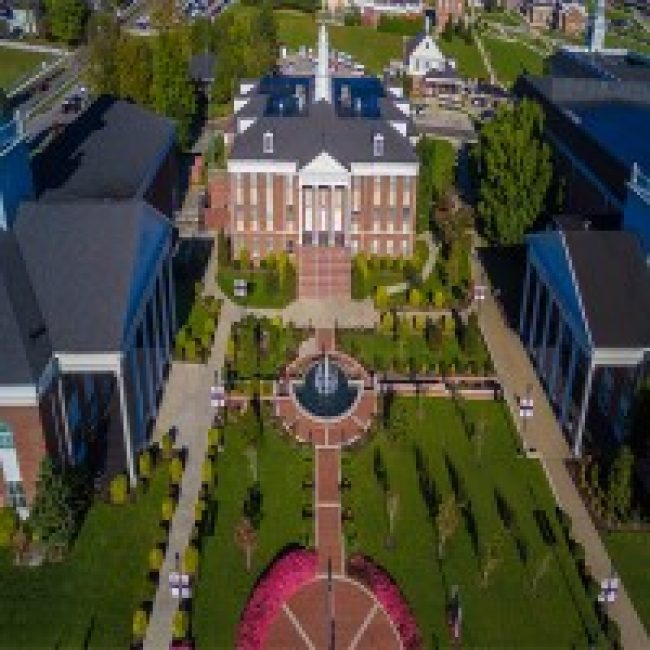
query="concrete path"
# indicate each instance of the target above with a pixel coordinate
(427, 268)
(486, 59)
(186, 405)
(544, 435)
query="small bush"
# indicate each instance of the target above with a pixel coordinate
(176, 471)
(199, 509)
(213, 437)
(144, 465)
(167, 509)
(119, 490)
(180, 625)
(139, 625)
(190, 563)
(8, 526)
(166, 445)
(156, 559)
(207, 472)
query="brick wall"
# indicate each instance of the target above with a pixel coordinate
(217, 214)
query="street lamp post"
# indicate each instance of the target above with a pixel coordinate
(526, 406)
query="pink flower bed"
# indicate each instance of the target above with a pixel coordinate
(390, 597)
(285, 577)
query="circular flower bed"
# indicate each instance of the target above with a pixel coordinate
(283, 579)
(389, 595)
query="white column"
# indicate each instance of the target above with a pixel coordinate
(586, 394)
(139, 406)
(126, 428)
(524, 301)
(542, 360)
(64, 416)
(151, 385)
(171, 295)
(165, 314)
(533, 323)
(568, 389)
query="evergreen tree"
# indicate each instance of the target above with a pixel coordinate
(513, 166)
(134, 69)
(172, 90)
(103, 37)
(52, 515)
(66, 19)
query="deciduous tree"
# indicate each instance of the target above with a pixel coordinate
(67, 19)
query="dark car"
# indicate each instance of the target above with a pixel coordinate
(72, 104)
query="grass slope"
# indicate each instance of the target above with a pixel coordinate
(510, 59)
(89, 599)
(467, 57)
(372, 48)
(14, 64)
(224, 585)
(630, 553)
(506, 613)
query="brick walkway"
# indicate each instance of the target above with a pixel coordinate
(544, 435)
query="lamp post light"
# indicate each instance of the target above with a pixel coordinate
(526, 406)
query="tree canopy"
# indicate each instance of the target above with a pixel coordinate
(513, 166)
(66, 19)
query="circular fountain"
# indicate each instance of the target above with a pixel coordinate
(325, 391)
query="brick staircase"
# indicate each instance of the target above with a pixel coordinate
(324, 272)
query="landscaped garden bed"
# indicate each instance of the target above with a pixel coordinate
(442, 499)
(270, 282)
(260, 347)
(417, 344)
(260, 479)
(194, 339)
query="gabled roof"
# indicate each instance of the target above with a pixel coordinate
(83, 260)
(107, 152)
(25, 343)
(614, 282)
(301, 138)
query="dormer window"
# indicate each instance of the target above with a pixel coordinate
(378, 145)
(267, 142)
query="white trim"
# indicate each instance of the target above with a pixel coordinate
(262, 166)
(64, 417)
(384, 169)
(80, 362)
(620, 357)
(18, 396)
(126, 428)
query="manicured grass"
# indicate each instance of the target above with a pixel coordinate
(506, 613)
(511, 18)
(15, 64)
(510, 59)
(640, 45)
(277, 345)
(263, 291)
(468, 59)
(368, 46)
(89, 599)
(224, 585)
(630, 553)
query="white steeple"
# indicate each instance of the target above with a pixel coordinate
(596, 29)
(323, 86)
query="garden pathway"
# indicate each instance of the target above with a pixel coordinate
(544, 435)
(186, 405)
(427, 268)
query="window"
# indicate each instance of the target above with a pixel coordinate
(392, 194)
(405, 248)
(254, 226)
(390, 246)
(406, 191)
(16, 494)
(378, 145)
(267, 142)
(288, 190)
(269, 244)
(309, 208)
(6, 437)
(356, 194)
(377, 191)
(355, 246)
(375, 246)
(256, 247)
(239, 189)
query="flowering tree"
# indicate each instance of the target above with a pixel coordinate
(285, 577)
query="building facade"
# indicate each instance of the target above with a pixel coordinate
(87, 301)
(323, 168)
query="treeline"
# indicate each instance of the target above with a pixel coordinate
(308, 6)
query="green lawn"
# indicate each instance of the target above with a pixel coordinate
(15, 64)
(224, 585)
(510, 59)
(89, 599)
(467, 57)
(630, 553)
(277, 345)
(641, 45)
(372, 48)
(506, 613)
(263, 290)
(511, 18)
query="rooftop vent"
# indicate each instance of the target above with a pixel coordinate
(378, 145)
(267, 142)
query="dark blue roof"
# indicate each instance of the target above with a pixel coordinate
(622, 128)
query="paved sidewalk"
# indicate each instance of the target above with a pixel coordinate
(544, 435)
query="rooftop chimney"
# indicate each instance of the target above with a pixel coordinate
(267, 142)
(378, 145)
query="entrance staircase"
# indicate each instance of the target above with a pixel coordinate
(324, 272)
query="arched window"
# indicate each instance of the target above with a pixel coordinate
(6, 437)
